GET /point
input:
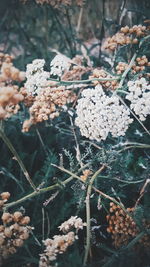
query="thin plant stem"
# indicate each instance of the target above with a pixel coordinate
(77, 148)
(134, 115)
(84, 81)
(126, 71)
(120, 87)
(43, 190)
(94, 188)
(142, 191)
(110, 198)
(17, 157)
(31, 195)
(41, 140)
(88, 227)
(66, 171)
(79, 21)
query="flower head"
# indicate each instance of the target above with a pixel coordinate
(98, 115)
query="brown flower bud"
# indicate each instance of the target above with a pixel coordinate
(5, 195)
(7, 232)
(17, 216)
(25, 220)
(6, 217)
(17, 242)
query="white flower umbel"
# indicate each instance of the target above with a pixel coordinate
(36, 76)
(73, 222)
(139, 96)
(37, 65)
(98, 115)
(59, 64)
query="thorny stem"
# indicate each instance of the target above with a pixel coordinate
(17, 157)
(88, 228)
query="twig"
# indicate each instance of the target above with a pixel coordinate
(43, 223)
(79, 21)
(88, 228)
(41, 140)
(110, 198)
(126, 72)
(94, 188)
(77, 148)
(17, 157)
(134, 115)
(61, 82)
(66, 171)
(142, 191)
(42, 190)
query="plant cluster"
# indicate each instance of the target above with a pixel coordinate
(75, 134)
(14, 230)
(60, 243)
(123, 227)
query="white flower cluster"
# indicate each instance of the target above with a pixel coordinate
(98, 115)
(36, 76)
(139, 96)
(55, 246)
(59, 64)
(73, 222)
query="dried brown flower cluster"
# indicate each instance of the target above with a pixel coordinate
(28, 98)
(3, 199)
(9, 100)
(9, 92)
(75, 74)
(123, 228)
(60, 243)
(140, 64)
(55, 246)
(46, 105)
(100, 74)
(8, 72)
(13, 231)
(126, 36)
(77, 70)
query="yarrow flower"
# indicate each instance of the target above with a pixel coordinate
(139, 96)
(98, 115)
(55, 246)
(60, 243)
(36, 76)
(59, 64)
(73, 222)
